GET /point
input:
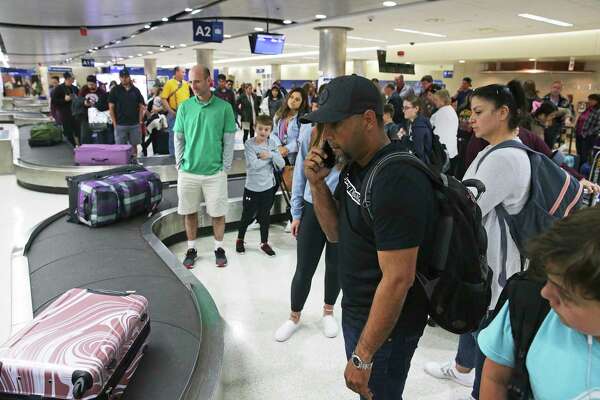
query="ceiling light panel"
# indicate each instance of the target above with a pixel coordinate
(419, 32)
(546, 20)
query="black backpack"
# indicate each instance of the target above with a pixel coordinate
(528, 310)
(438, 158)
(459, 292)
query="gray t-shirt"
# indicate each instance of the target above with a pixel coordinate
(506, 174)
(259, 173)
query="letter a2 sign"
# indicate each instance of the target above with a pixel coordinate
(208, 31)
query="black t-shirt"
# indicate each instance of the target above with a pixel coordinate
(405, 215)
(127, 104)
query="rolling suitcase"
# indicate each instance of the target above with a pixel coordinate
(106, 197)
(103, 154)
(86, 345)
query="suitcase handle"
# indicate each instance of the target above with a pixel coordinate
(100, 159)
(111, 292)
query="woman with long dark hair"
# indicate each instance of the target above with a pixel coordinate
(506, 174)
(587, 129)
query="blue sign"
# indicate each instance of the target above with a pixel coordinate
(60, 69)
(208, 31)
(260, 70)
(448, 74)
(88, 62)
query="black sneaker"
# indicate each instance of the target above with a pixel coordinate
(220, 258)
(239, 246)
(267, 249)
(190, 258)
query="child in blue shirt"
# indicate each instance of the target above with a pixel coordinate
(563, 359)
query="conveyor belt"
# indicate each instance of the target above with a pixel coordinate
(65, 255)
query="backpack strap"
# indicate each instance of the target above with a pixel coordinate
(514, 144)
(528, 310)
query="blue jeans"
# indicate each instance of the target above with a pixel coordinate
(171, 123)
(470, 356)
(390, 364)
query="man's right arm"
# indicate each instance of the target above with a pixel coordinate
(113, 116)
(323, 201)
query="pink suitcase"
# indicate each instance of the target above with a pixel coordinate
(85, 345)
(103, 154)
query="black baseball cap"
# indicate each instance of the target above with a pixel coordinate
(344, 97)
(124, 72)
(91, 78)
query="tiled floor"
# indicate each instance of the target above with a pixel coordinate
(252, 294)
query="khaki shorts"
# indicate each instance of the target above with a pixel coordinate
(194, 189)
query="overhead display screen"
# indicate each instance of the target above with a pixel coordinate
(266, 43)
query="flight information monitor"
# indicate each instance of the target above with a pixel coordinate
(266, 43)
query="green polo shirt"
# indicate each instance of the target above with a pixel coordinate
(203, 126)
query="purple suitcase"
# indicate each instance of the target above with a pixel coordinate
(103, 154)
(85, 345)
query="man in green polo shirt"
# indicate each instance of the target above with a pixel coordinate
(204, 137)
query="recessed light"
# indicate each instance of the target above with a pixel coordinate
(196, 11)
(163, 50)
(532, 59)
(320, 16)
(546, 20)
(117, 42)
(150, 52)
(139, 54)
(95, 48)
(227, 36)
(89, 50)
(172, 46)
(132, 36)
(182, 45)
(461, 61)
(153, 28)
(389, 4)
(258, 29)
(147, 26)
(121, 58)
(419, 32)
(130, 56)
(287, 21)
(164, 19)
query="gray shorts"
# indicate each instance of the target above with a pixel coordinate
(128, 134)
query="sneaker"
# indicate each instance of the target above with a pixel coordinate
(220, 258)
(449, 371)
(288, 227)
(190, 258)
(239, 246)
(254, 226)
(267, 249)
(286, 330)
(330, 326)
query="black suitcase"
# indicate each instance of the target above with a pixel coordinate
(160, 141)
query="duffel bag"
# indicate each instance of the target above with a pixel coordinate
(45, 134)
(99, 199)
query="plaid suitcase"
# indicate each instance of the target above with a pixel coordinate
(117, 194)
(85, 345)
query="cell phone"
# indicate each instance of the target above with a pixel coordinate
(329, 162)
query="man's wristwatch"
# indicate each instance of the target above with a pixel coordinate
(360, 364)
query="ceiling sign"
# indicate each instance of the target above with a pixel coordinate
(208, 31)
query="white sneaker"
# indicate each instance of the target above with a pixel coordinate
(288, 227)
(286, 330)
(449, 371)
(254, 226)
(330, 326)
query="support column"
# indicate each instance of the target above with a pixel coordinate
(42, 72)
(332, 51)
(275, 72)
(205, 57)
(360, 67)
(150, 69)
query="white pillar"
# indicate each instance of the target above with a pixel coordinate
(332, 51)
(205, 57)
(360, 67)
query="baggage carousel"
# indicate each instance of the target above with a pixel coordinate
(185, 355)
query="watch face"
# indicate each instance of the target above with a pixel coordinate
(355, 361)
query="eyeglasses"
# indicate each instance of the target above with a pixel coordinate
(407, 108)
